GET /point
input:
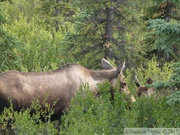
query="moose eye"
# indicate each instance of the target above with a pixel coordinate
(123, 84)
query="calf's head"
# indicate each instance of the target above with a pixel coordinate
(143, 90)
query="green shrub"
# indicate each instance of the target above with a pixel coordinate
(173, 82)
(96, 115)
(26, 123)
(90, 115)
(156, 113)
(8, 43)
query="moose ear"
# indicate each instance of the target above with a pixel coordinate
(120, 68)
(106, 64)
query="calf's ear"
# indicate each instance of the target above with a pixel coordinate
(106, 64)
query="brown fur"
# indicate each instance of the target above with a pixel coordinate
(60, 85)
(149, 81)
(142, 90)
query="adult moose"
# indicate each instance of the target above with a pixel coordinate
(60, 85)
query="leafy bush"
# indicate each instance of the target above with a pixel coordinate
(40, 50)
(37, 48)
(173, 82)
(90, 115)
(8, 43)
(153, 112)
(24, 122)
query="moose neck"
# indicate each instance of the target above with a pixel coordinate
(103, 74)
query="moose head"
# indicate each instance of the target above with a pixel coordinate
(143, 90)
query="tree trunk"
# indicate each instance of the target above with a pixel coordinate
(168, 11)
(57, 13)
(109, 33)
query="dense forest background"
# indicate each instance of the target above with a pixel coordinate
(42, 35)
